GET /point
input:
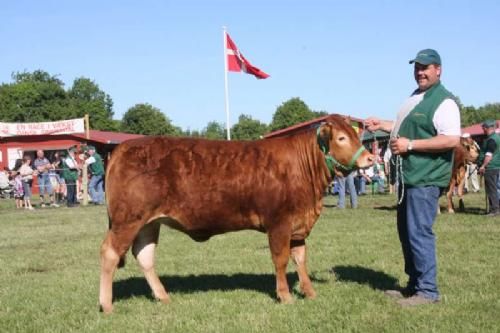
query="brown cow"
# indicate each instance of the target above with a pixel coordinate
(465, 153)
(204, 188)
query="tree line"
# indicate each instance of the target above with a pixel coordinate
(38, 96)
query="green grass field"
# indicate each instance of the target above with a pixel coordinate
(49, 276)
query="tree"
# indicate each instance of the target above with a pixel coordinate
(85, 97)
(248, 128)
(214, 130)
(33, 97)
(470, 115)
(148, 120)
(291, 112)
(318, 114)
(39, 96)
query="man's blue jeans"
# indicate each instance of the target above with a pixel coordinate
(96, 190)
(44, 184)
(362, 185)
(416, 215)
(349, 181)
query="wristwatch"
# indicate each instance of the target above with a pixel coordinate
(410, 145)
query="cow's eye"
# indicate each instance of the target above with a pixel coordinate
(342, 138)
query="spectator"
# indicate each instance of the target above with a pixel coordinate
(5, 185)
(18, 184)
(489, 160)
(70, 175)
(96, 170)
(362, 179)
(471, 173)
(26, 173)
(56, 180)
(390, 169)
(375, 176)
(42, 165)
(342, 182)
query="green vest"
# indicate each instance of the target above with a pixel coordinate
(97, 168)
(495, 161)
(419, 168)
(69, 175)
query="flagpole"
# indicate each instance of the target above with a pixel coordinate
(226, 94)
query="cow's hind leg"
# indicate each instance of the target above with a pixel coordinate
(279, 244)
(298, 249)
(109, 261)
(115, 246)
(460, 193)
(144, 250)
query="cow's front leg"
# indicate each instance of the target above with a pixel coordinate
(299, 256)
(279, 244)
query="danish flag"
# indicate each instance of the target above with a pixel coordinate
(236, 62)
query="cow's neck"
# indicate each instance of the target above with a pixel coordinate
(313, 161)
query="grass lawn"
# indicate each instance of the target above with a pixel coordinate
(49, 276)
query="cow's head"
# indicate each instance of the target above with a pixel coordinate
(340, 143)
(471, 149)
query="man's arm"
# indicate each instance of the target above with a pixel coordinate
(372, 124)
(490, 148)
(435, 144)
(90, 160)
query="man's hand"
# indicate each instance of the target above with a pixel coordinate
(372, 124)
(399, 146)
(481, 170)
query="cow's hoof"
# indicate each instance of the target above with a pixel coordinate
(164, 300)
(106, 309)
(310, 294)
(451, 211)
(286, 299)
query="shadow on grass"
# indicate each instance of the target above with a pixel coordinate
(467, 210)
(375, 279)
(329, 206)
(264, 283)
(389, 208)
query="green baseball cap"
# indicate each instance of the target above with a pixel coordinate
(427, 57)
(489, 123)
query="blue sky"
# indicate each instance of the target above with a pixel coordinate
(348, 57)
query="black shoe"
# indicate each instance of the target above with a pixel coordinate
(399, 293)
(416, 300)
(493, 214)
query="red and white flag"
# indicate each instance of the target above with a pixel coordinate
(236, 62)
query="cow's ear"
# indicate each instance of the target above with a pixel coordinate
(325, 131)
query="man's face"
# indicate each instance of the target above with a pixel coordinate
(39, 153)
(487, 130)
(426, 75)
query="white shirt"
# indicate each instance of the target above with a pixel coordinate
(446, 119)
(70, 162)
(90, 160)
(387, 155)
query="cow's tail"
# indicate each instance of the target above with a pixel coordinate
(121, 263)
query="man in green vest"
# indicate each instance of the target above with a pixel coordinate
(426, 130)
(70, 175)
(489, 160)
(96, 170)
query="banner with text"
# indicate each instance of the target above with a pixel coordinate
(45, 128)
